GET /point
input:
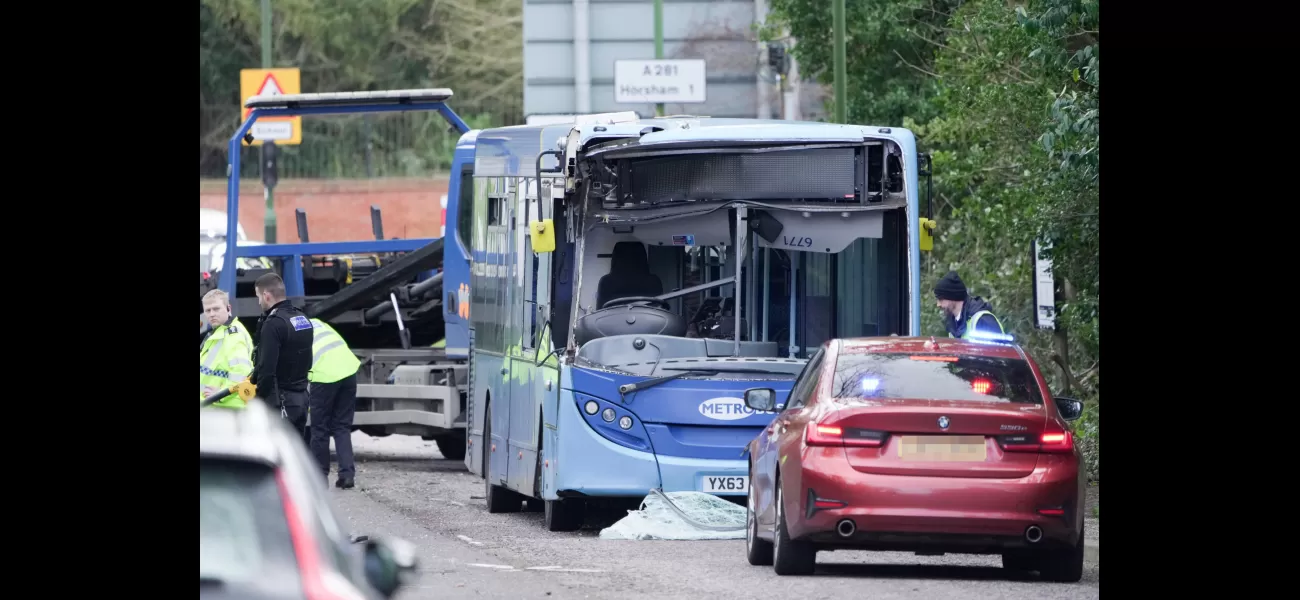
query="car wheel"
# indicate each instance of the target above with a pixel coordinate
(757, 550)
(499, 499)
(1064, 566)
(790, 557)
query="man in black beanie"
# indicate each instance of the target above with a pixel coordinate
(963, 313)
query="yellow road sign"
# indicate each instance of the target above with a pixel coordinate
(283, 131)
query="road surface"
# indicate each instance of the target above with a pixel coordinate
(406, 489)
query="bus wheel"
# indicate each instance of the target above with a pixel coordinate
(565, 514)
(499, 499)
(537, 504)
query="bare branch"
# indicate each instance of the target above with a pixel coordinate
(930, 73)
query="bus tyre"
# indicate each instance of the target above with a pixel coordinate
(535, 505)
(452, 446)
(565, 514)
(790, 557)
(499, 499)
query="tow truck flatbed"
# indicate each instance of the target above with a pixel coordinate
(390, 310)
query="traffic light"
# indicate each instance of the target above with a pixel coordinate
(269, 153)
(776, 58)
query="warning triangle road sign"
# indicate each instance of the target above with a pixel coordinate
(269, 87)
(273, 84)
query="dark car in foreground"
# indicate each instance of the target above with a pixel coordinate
(266, 526)
(923, 445)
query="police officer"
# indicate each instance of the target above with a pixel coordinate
(225, 354)
(333, 392)
(283, 354)
(963, 313)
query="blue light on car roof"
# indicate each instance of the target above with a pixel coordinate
(988, 336)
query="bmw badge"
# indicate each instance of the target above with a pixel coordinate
(943, 422)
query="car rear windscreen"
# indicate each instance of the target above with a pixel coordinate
(244, 539)
(935, 377)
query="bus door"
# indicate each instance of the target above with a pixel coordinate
(519, 470)
(530, 386)
(491, 333)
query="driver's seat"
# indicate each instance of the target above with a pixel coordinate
(629, 275)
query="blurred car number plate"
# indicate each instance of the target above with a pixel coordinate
(713, 483)
(943, 448)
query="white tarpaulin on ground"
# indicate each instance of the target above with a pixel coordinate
(680, 516)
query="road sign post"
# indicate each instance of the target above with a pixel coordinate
(270, 177)
(275, 131)
(678, 81)
(659, 44)
(840, 63)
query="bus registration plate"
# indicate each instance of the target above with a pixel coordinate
(715, 483)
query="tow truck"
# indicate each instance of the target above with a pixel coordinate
(384, 296)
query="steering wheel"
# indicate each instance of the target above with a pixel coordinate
(636, 300)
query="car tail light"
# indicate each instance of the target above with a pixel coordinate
(1054, 439)
(834, 435)
(315, 577)
(816, 504)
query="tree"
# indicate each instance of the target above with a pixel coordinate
(1004, 95)
(471, 46)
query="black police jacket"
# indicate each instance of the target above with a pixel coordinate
(282, 356)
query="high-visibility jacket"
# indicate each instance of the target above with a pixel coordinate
(975, 318)
(225, 358)
(331, 359)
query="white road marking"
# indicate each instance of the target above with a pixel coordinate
(468, 540)
(564, 570)
(487, 566)
(456, 503)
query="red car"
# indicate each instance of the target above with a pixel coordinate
(920, 445)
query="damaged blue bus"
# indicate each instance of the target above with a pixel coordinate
(630, 278)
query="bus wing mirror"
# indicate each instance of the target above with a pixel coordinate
(543, 235)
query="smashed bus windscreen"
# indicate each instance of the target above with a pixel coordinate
(935, 377)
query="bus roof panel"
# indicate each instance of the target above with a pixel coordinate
(513, 151)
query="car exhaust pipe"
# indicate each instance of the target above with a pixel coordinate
(846, 528)
(1034, 534)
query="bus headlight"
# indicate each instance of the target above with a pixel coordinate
(625, 422)
(607, 415)
(591, 407)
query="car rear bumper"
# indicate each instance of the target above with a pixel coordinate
(894, 512)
